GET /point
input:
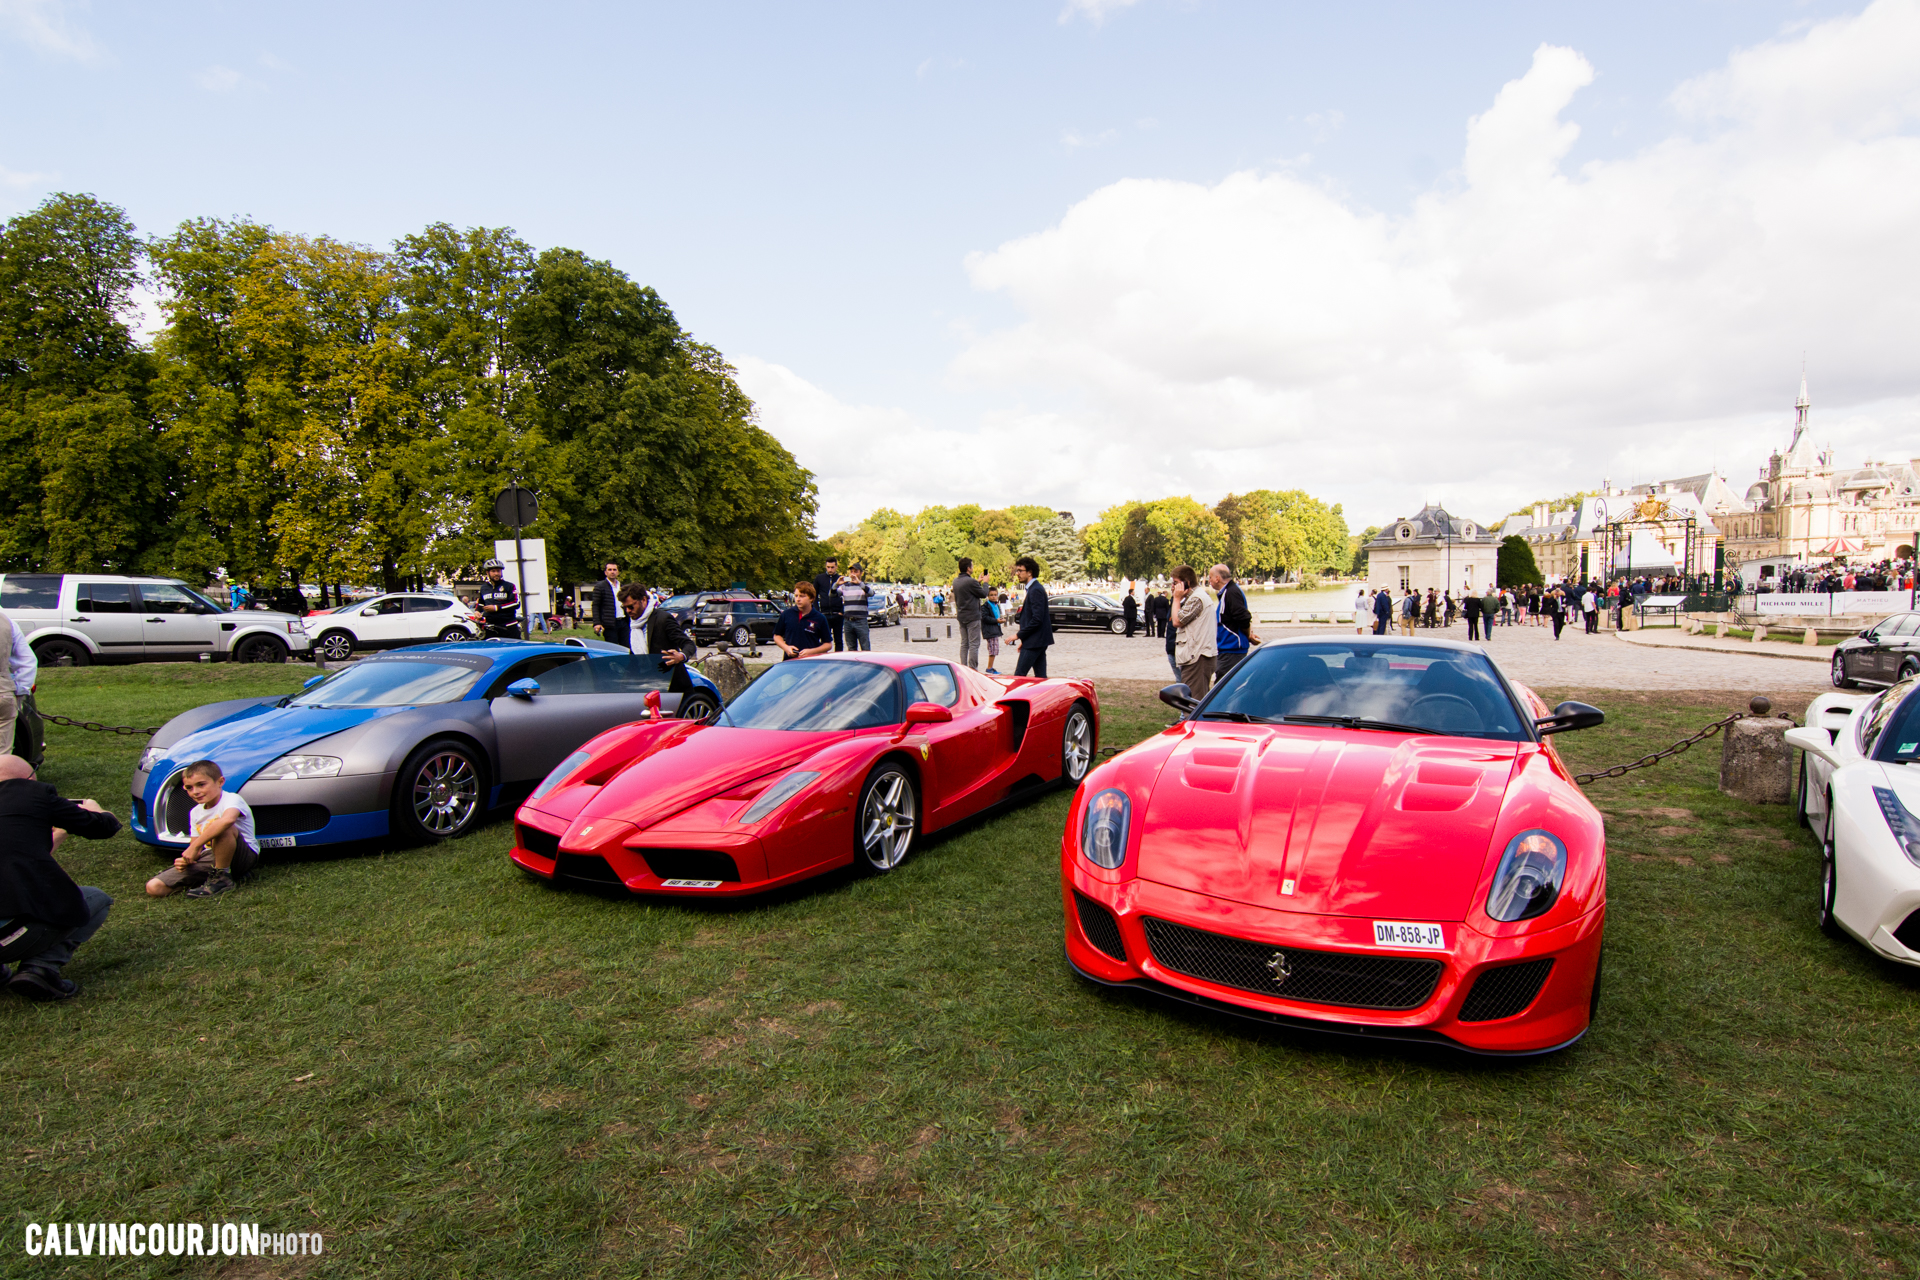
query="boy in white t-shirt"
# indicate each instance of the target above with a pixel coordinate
(222, 843)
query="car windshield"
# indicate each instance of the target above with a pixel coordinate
(395, 682)
(1409, 688)
(1890, 725)
(680, 602)
(818, 696)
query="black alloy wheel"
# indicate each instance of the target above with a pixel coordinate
(886, 819)
(437, 794)
(742, 638)
(1076, 746)
(62, 653)
(1829, 878)
(1840, 680)
(1118, 626)
(701, 707)
(260, 649)
(335, 646)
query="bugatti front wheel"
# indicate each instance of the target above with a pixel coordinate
(437, 794)
(888, 816)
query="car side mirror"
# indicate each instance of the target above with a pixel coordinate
(1815, 742)
(310, 681)
(1179, 697)
(928, 713)
(1570, 715)
(523, 689)
(369, 613)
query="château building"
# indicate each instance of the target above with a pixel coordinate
(1432, 549)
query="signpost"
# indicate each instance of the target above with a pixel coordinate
(516, 506)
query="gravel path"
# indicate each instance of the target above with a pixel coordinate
(1527, 654)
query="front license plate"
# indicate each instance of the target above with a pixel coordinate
(690, 884)
(1399, 933)
(276, 842)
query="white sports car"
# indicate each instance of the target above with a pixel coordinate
(1860, 789)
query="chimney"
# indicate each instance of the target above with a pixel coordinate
(1539, 515)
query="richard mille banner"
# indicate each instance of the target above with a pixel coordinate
(1829, 603)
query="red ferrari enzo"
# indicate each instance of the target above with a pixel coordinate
(1364, 835)
(817, 764)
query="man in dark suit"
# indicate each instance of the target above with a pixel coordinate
(1130, 612)
(1382, 612)
(606, 600)
(646, 628)
(1035, 620)
(826, 594)
(44, 915)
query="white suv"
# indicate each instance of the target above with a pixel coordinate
(391, 621)
(73, 619)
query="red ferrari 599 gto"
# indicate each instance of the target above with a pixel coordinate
(820, 763)
(1367, 835)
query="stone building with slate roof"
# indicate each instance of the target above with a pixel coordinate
(1432, 549)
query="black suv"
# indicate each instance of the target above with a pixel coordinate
(735, 616)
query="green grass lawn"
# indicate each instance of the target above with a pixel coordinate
(454, 1072)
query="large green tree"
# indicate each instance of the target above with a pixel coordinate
(83, 481)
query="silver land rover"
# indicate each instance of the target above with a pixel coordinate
(72, 619)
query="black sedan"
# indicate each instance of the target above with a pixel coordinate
(1084, 609)
(1883, 654)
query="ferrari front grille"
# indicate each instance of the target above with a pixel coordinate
(1102, 930)
(1503, 992)
(534, 840)
(584, 866)
(1292, 973)
(690, 864)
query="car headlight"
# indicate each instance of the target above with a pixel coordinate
(777, 794)
(296, 628)
(1103, 831)
(559, 774)
(1528, 879)
(1905, 823)
(151, 757)
(287, 767)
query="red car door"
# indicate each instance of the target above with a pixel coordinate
(961, 755)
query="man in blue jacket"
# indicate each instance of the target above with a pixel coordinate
(1035, 620)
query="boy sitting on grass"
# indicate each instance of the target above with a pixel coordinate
(222, 843)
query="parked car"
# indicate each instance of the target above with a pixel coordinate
(74, 619)
(394, 621)
(1370, 835)
(1082, 609)
(837, 761)
(1860, 789)
(420, 742)
(1884, 653)
(736, 617)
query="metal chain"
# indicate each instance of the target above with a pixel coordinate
(94, 725)
(1621, 770)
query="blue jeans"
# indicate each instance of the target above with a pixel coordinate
(855, 628)
(55, 957)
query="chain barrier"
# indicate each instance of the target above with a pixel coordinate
(1758, 707)
(96, 727)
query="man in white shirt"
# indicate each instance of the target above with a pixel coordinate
(221, 844)
(1590, 607)
(23, 672)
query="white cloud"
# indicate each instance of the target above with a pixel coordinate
(218, 79)
(1073, 138)
(1521, 329)
(1095, 11)
(48, 26)
(21, 181)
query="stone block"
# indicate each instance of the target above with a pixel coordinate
(1720, 629)
(1759, 632)
(1756, 764)
(1810, 636)
(728, 671)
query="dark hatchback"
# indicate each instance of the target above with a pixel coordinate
(734, 616)
(1885, 653)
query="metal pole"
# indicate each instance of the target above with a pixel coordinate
(519, 561)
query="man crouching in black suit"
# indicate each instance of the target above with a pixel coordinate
(44, 915)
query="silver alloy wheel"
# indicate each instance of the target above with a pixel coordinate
(742, 638)
(887, 819)
(1839, 671)
(1118, 626)
(698, 707)
(455, 635)
(336, 646)
(1076, 746)
(1829, 876)
(446, 792)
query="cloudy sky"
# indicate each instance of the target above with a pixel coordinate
(1078, 251)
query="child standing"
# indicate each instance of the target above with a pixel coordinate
(990, 629)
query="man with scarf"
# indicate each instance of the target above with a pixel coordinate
(646, 628)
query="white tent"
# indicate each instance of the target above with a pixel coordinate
(1646, 556)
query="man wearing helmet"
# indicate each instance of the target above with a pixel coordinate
(499, 602)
